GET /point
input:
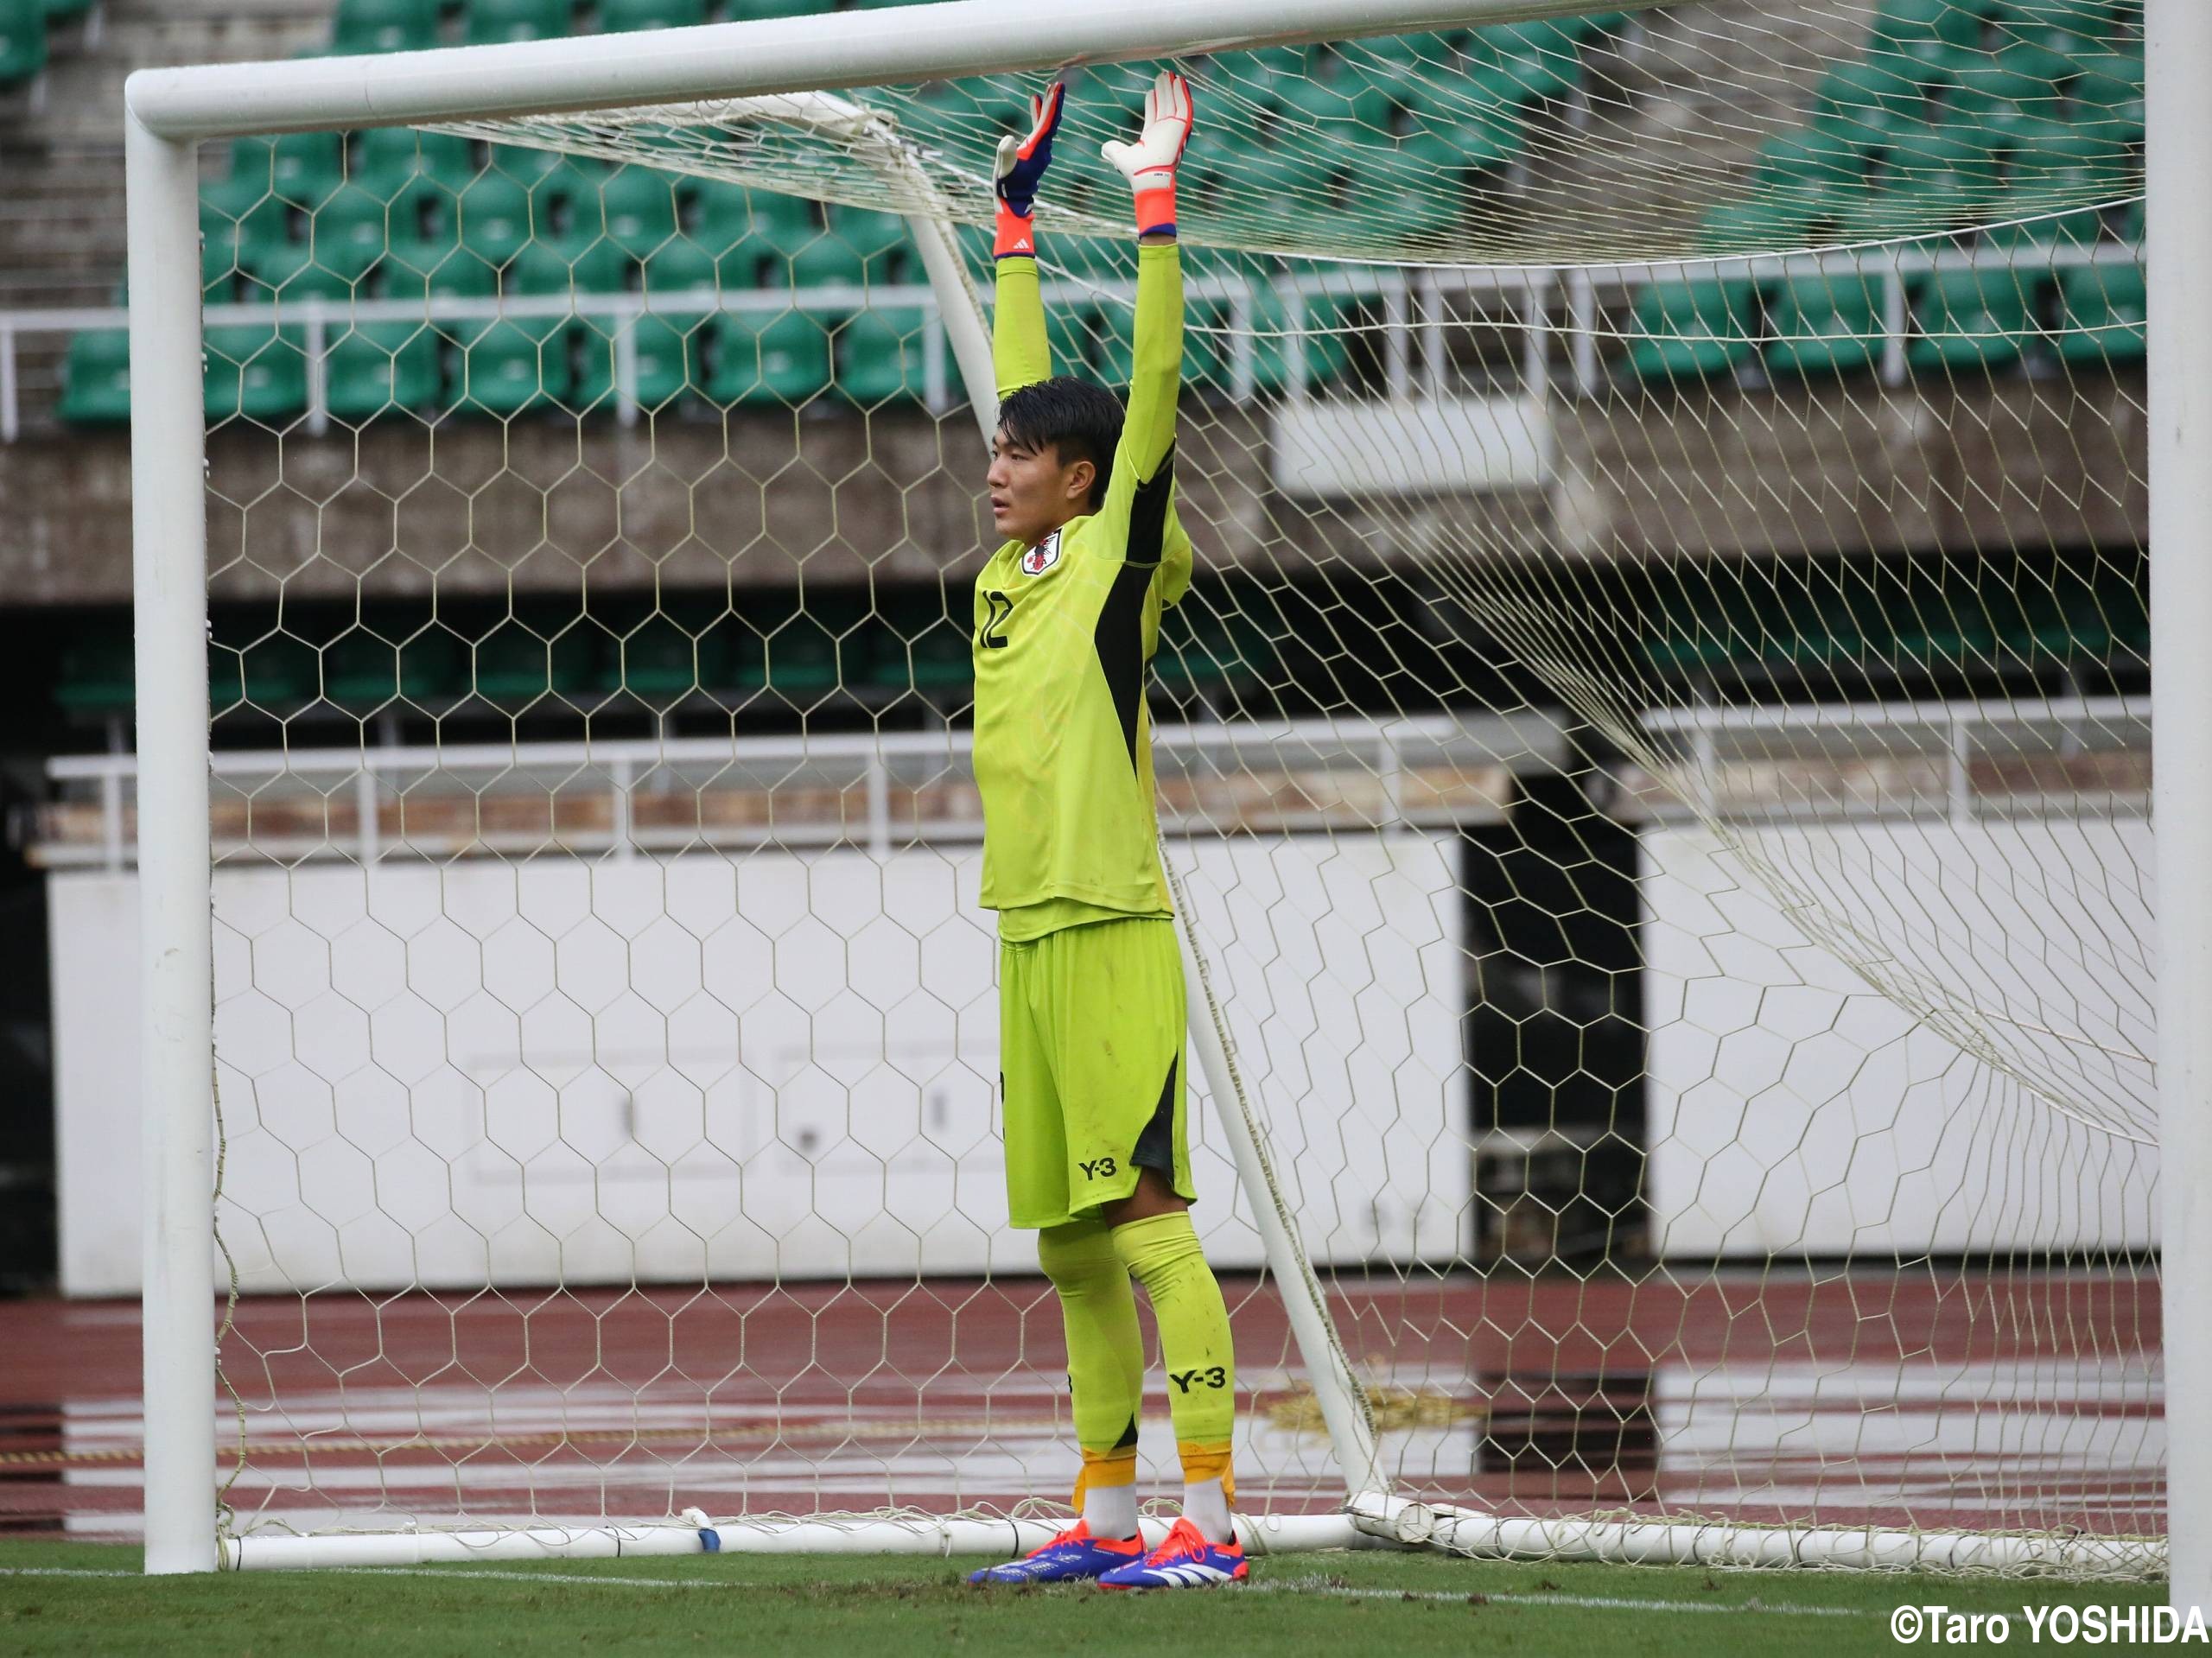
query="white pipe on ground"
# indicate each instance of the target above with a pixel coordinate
(1006, 1538)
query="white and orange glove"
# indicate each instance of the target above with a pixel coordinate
(1021, 164)
(1149, 163)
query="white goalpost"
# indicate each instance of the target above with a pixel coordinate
(1603, 735)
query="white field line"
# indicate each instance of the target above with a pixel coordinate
(1309, 1585)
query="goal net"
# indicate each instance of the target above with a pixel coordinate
(1655, 756)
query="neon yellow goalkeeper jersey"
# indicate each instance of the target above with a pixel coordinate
(1064, 631)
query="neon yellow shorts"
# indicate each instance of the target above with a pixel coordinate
(1091, 1066)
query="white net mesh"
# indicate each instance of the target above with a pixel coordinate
(1658, 754)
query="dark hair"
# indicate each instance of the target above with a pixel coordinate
(1083, 422)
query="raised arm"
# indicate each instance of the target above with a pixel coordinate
(1019, 353)
(1156, 373)
(1142, 462)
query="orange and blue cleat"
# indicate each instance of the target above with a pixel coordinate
(1074, 1556)
(1185, 1560)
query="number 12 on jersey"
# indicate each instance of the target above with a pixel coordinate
(992, 635)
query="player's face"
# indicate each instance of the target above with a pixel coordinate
(1032, 493)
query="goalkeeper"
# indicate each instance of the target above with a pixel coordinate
(1090, 979)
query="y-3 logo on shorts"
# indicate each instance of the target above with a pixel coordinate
(1100, 1168)
(1212, 1376)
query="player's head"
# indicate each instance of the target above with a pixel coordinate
(1052, 456)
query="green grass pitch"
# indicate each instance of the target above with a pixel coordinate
(83, 1598)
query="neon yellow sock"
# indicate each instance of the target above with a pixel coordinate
(1162, 1253)
(1105, 1353)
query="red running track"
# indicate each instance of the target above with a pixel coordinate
(1941, 1399)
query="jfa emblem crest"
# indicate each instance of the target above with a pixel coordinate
(1042, 557)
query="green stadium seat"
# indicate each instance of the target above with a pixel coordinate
(255, 372)
(2061, 165)
(1600, 25)
(724, 214)
(637, 207)
(1940, 178)
(1290, 170)
(385, 25)
(1554, 71)
(229, 241)
(2107, 87)
(751, 11)
(276, 675)
(351, 232)
(2022, 79)
(254, 161)
(248, 200)
(307, 168)
(830, 260)
(515, 364)
(1458, 147)
(2092, 18)
(683, 267)
(96, 379)
(438, 271)
(1825, 324)
(1400, 185)
(939, 662)
(1810, 162)
(1691, 330)
(22, 41)
(665, 350)
(868, 233)
(1322, 349)
(524, 163)
(358, 670)
(98, 679)
(493, 23)
(557, 266)
(513, 668)
(2032, 225)
(565, 195)
(62, 11)
(767, 357)
(219, 273)
(1352, 100)
(622, 16)
(2103, 309)
(1864, 103)
(1978, 318)
(799, 661)
(492, 217)
(660, 663)
(291, 273)
(379, 368)
(752, 262)
(361, 671)
(390, 157)
(879, 357)
(668, 350)
(1755, 225)
(1948, 23)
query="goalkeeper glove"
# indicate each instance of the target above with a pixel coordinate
(1021, 164)
(1149, 163)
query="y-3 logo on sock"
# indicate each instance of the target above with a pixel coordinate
(1099, 1168)
(1212, 1376)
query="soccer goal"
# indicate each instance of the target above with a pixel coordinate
(1656, 764)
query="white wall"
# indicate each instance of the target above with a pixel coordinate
(1793, 1109)
(774, 1064)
